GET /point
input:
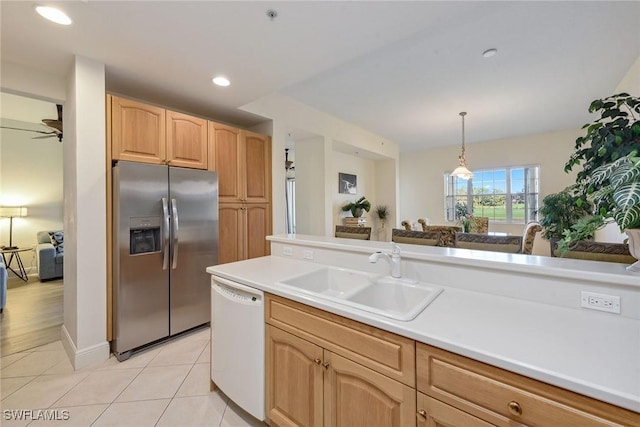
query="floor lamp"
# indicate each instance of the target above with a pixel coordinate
(11, 212)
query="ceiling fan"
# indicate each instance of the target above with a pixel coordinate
(54, 124)
(288, 164)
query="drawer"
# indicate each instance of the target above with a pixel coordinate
(387, 353)
(502, 397)
(433, 413)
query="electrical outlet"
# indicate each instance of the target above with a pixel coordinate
(307, 254)
(602, 302)
(287, 250)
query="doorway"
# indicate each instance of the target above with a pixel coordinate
(31, 167)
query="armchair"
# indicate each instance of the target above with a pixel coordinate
(50, 254)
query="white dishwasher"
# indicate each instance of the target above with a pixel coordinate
(237, 344)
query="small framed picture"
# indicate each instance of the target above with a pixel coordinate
(347, 183)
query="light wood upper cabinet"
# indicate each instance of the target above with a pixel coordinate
(257, 166)
(137, 131)
(149, 134)
(225, 157)
(243, 162)
(186, 144)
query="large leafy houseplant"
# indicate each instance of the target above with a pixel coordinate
(610, 175)
(616, 196)
(357, 207)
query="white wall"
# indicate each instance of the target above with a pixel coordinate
(630, 83)
(85, 215)
(288, 114)
(310, 194)
(421, 173)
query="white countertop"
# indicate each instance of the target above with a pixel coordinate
(597, 355)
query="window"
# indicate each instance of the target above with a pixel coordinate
(508, 195)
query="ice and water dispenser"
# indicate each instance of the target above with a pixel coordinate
(144, 235)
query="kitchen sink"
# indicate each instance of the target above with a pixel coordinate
(333, 282)
(397, 298)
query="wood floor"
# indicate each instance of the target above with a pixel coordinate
(33, 315)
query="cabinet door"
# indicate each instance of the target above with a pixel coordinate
(357, 396)
(225, 155)
(231, 226)
(433, 413)
(258, 220)
(294, 380)
(186, 141)
(257, 167)
(137, 131)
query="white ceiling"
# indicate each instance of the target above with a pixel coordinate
(403, 70)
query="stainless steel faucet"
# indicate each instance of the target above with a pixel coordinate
(394, 259)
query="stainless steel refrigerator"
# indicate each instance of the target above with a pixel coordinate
(165, 229)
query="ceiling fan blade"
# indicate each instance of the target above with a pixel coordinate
(55, 124)
(52, 133)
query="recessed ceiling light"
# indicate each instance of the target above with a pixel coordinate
(53, 15)
(489, 52)
(221, 81)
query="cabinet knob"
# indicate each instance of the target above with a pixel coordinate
(317, 361)
(325, 365)
(422, 414)
(514, 408)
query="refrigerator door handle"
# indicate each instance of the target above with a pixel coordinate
(174, 218)
(165, 250)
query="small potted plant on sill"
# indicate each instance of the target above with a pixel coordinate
(358, 207)
(382, 212)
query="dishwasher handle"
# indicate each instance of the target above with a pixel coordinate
(237, 292)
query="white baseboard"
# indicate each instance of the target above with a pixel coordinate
(87, 356)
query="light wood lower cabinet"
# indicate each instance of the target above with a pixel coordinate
(311, 386)
(294, 380)
(433, 413)
(326, 370)
(503, 398)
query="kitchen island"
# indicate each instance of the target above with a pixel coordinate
(511, 314)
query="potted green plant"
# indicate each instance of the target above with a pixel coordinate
(382, 212)
(358, 207)
(561, 210)
(610, 175)
(615, 191)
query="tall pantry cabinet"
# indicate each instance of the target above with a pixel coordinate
(243, 162)
(145, 133)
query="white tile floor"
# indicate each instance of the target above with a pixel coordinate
(165, 386)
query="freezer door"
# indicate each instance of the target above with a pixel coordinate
(194, 245)
(141, 286)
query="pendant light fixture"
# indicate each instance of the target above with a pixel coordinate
(462, 171)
